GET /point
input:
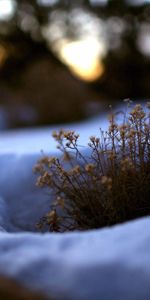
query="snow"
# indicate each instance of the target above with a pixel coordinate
(37, 139)
(20, 198)
(108, 264)
(100, 264)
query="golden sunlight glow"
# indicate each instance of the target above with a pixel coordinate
(83, 58)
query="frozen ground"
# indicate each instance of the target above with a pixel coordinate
(108, 264)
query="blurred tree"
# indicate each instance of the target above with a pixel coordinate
(24, 43)
(31, 16)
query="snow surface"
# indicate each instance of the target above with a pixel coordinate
(37, 139)
(108, 264)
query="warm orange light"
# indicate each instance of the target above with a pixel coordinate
(3, 55)
(83, 59)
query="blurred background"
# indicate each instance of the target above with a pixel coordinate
(66, 60)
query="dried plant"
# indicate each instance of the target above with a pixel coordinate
(108, 184)
(12, 290)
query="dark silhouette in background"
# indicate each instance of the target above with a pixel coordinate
(36, 87)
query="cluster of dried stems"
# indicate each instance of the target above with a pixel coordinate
(106, 185)
(12, 290)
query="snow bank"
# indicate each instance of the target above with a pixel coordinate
(19, 197)
(107, 264)
(34, 140)
(3, 215)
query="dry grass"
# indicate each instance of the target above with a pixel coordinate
(12, 290)
(109, 185)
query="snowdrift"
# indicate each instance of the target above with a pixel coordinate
(108, 264)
